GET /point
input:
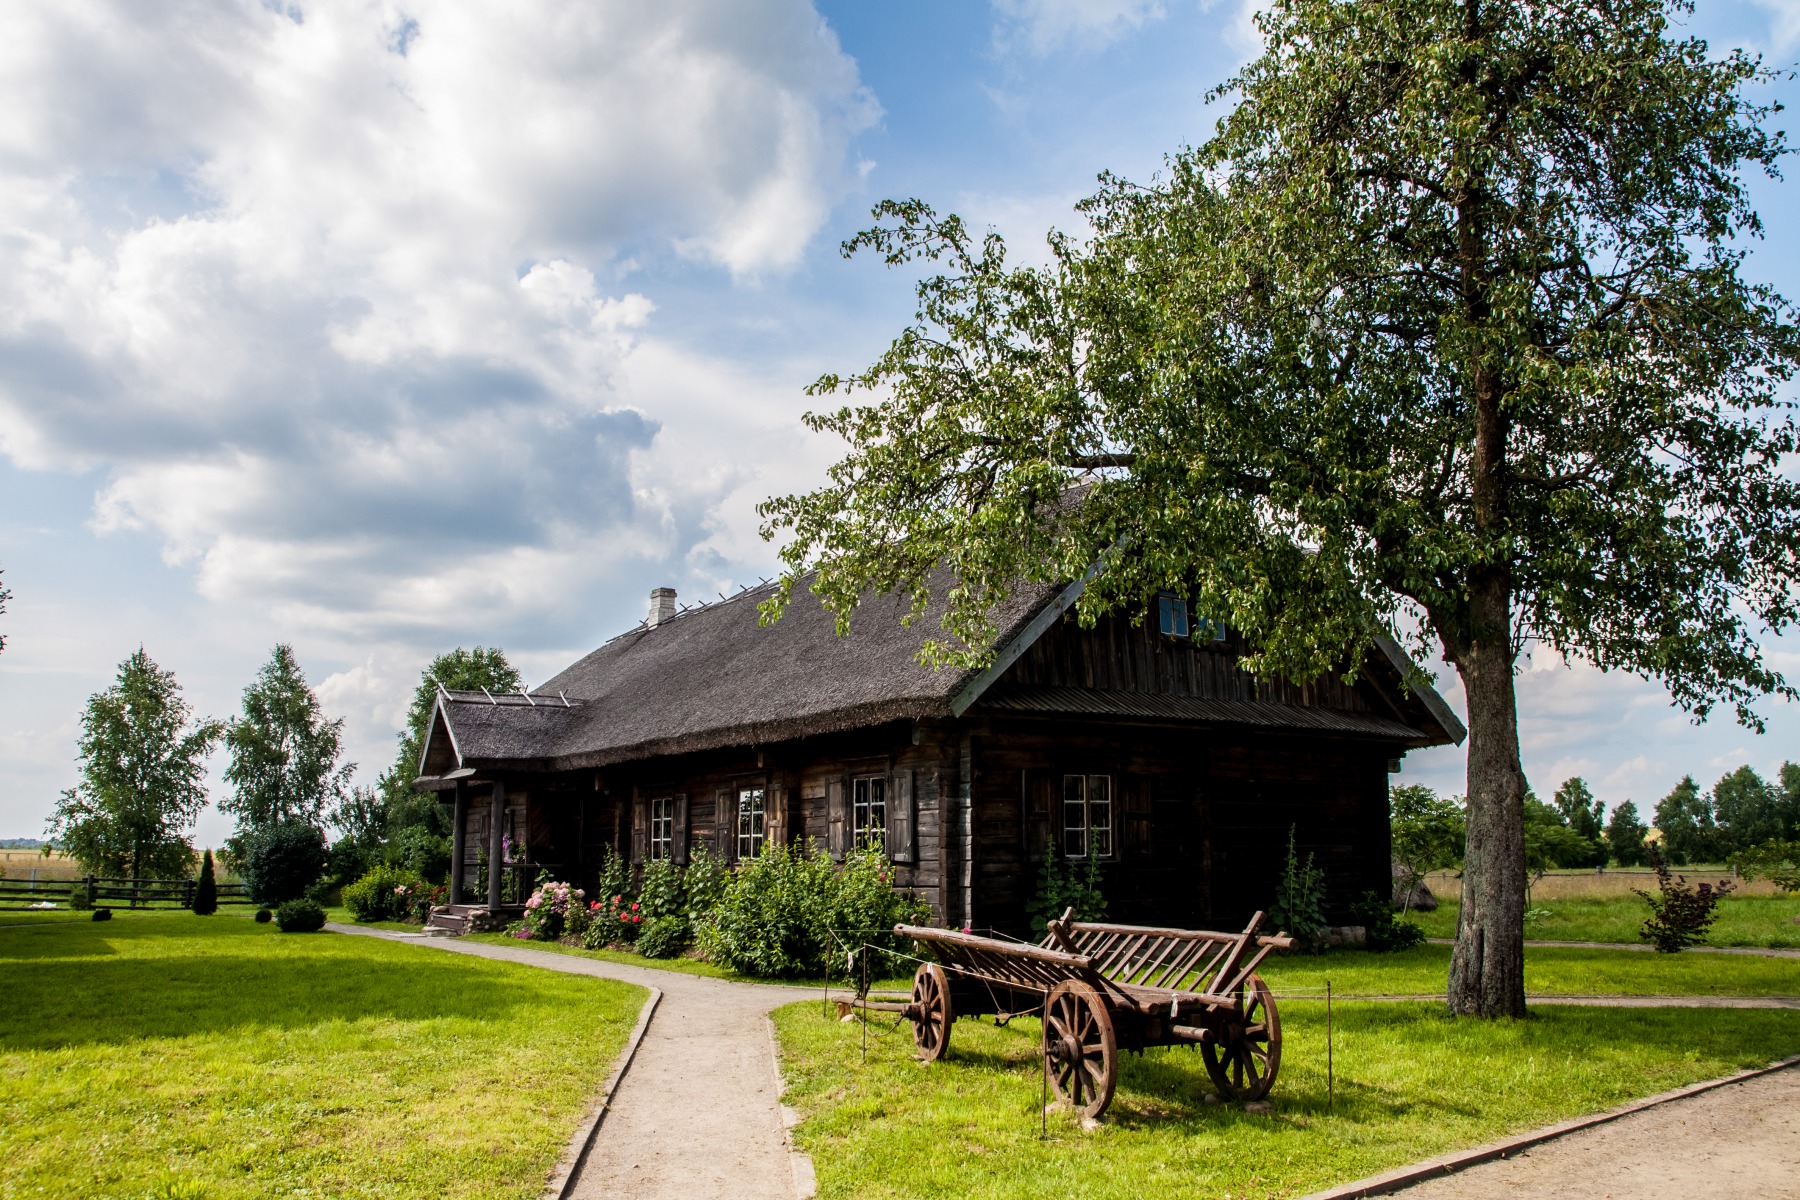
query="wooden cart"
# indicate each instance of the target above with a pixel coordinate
(1106, 988)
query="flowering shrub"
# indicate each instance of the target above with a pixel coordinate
(548, 911)
(388, 894)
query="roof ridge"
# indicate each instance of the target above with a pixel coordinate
(688, 610)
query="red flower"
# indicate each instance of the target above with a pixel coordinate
(634, 908)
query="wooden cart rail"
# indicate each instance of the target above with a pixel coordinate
(1103, 988)
(1144, 960)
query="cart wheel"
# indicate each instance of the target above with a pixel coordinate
(931, 1012)
(1243, 1064)
(1080, 1052)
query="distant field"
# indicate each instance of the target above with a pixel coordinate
(1590, 908)
(34, 864)
(1616, 881)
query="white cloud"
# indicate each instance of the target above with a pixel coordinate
(1044, 26)
(330, 294)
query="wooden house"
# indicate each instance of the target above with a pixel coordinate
(1140, 739)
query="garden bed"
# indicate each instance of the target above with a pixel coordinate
(230, 1060)
(1410, 1083)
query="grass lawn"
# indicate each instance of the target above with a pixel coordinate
(1758, 920)
(171, 1056)
(1410, 1083)
(1549, 970)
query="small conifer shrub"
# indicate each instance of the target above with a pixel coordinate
(264, 916)
(206, 892)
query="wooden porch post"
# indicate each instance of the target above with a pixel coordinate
(459, 840)
(496, 850)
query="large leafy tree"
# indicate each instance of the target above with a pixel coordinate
(284, 752)
(412, 825)
(1444, 328)
(1748, 811)
(143, 769)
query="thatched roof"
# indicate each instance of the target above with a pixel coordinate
(715, 677)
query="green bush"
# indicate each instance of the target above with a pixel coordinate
(282, 861)
(790, 911)
(264, 916)
(663, 937)
(1381, 928)
(386, 894)
(300, 916)
(661, 893)
(704, 881)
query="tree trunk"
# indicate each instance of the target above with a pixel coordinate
(1487, 968)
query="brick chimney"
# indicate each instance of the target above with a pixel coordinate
(662, 605)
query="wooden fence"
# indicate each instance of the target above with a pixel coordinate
(107, 891)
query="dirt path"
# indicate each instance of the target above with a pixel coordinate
(1740, 1140)
(698, 1116)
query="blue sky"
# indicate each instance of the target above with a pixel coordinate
(381, 328)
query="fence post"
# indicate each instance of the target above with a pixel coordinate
(92, 891)
(187, 893)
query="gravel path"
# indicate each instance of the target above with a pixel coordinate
(698, 1116)
(1740, 1140)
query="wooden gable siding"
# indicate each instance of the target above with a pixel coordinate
(1115, 655)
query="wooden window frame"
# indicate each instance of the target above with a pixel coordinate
(755, 816)
(662, 828)
(864, 830)
(1085, 831)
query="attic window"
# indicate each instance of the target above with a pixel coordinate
(1172, 615)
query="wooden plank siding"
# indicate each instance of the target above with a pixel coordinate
(1116, 655)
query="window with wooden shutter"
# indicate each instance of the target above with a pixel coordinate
(837, 818)
(868, 810)
(679, 839)
(725, 825)
(662, 828)
(902, 818)
(640, 829)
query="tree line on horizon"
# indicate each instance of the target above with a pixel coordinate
(1739, 815)
(142, 753)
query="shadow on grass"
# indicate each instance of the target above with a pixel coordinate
(81, 990)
